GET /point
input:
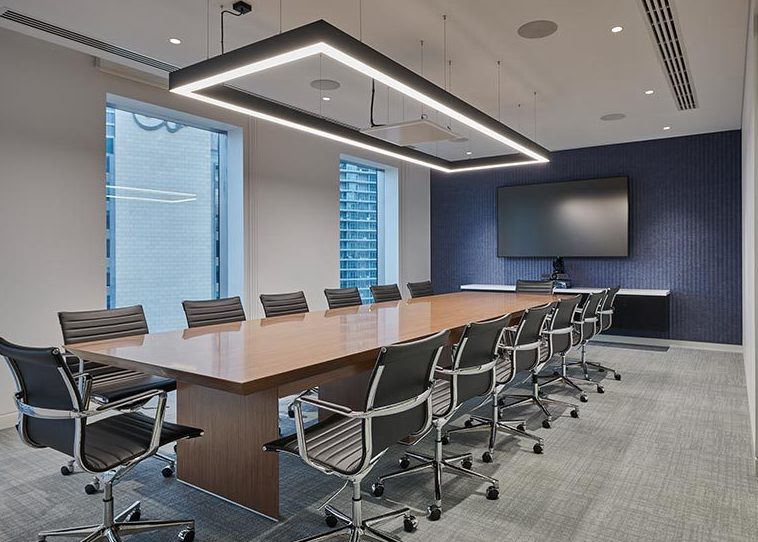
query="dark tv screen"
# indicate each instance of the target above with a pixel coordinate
(573, 219)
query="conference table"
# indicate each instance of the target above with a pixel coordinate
(231, 376)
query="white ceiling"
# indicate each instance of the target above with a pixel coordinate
(580, 73)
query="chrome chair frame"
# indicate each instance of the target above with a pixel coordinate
(113, 525)
(355, 525)
(438, 463)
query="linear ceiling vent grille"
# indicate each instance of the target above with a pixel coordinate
(661, 18)
(84, 40)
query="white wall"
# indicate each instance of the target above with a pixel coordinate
(749, 238)
(52, 196)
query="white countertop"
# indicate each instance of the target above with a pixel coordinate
(512, 288)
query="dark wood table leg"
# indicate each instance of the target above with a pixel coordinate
(228, 460)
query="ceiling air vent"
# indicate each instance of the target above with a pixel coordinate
(48, 28)
(664, 29)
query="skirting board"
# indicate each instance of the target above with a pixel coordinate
(8, 419)
(694, 345)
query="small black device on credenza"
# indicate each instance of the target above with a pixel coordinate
(572, 219)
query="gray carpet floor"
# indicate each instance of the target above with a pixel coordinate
(664, 455)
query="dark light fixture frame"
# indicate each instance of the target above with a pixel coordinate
(207, 81)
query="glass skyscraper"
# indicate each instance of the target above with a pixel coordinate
(360, 186)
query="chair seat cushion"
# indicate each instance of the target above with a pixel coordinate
(113, 384)
(129, 384)
(335, 442)
(114, 441)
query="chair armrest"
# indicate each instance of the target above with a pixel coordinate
(326, 405)
(137, 401)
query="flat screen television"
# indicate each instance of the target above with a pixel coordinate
(588, 218)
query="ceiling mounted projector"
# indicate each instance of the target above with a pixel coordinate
(412, 132)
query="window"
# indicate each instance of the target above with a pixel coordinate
(164, 184)
(365, 256)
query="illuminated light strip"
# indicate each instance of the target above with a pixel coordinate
(156, 200)
(347, 141)
(321, 47)
(150, 190)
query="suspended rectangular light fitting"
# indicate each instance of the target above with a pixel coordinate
(212, 81)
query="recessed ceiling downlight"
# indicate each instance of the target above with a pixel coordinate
(617, 29)
(613, 116)
(325, 84)
(537, 29)
(175, 41)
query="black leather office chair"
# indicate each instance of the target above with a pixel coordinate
(282, 304)
(111, 384)
(337, 298)
(605, 321)
(585, 327)
(556, 333)
(520, 352)
(387, 292)
(213, 311)
(471, 375)
(560, 333)
(420, 289)
(348, 443)
(55, 412)
(535, 286)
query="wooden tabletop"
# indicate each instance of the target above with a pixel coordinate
(250, 356)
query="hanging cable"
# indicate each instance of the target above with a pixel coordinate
(499, 109)
(444, 48)
(535, 115)
(280, 16)
(226, 12)
(423, 116)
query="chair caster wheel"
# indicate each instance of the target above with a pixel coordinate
(445, 440)
(487, 457)
(537, 448)
(574, 413)
(331, 521)
(66, 470)
(601, 370)
(410, 524)
(187, 535)
(617, 376)
(404, 463)
(546, 424)
(556, 373)
(469, 423)
(291, 413)
(600, 389)
(467, 464)
(492, 493)
(521, 427)
(167, 472)
(136, 515)
(91, 489)
(583, 398)
(377, 489)
(435, 512)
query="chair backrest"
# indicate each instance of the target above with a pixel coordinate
(387, 292)
(479, 344)
(43, 381)
(586, 324)
(605, 312)
(97, 325)
(420, 289)
(342, 297)
(559, 328)
(402, 372)
(281, 304)
(527, 339)
(535, 286)
(213, 311)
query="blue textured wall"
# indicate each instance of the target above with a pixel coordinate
(685, 229)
